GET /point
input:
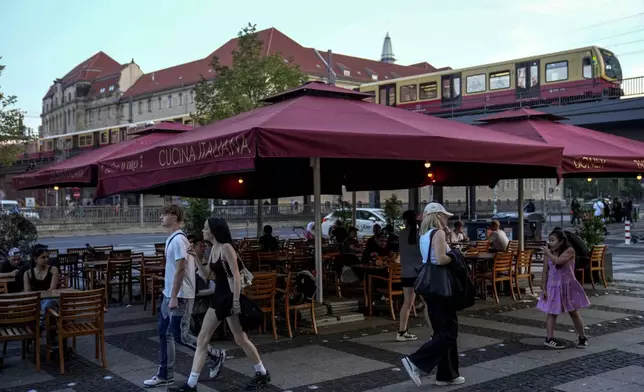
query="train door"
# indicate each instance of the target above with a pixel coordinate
(387, 95)
(451, 90)
(527, 79)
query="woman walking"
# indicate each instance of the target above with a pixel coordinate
(409, 260)
(227, 303)
(561, 292)
(441, 350)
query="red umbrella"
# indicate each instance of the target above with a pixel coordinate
(586, 152)
(266, 152)
(81, 170)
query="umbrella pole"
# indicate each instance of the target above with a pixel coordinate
(353, 209)
(141, 209)
(317, 199)
(521, 223)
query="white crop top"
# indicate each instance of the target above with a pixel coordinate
(424, 246)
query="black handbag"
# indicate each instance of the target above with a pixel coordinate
(434, 280)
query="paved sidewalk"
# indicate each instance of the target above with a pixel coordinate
(501, 349)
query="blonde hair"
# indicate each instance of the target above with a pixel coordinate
(430, 221)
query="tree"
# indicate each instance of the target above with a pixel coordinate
(12, 129)
(17, 232)
(197, 213)
(241, 87)
(392, 209)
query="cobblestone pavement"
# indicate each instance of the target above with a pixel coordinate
(501, 349)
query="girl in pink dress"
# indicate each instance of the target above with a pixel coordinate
(560, 290)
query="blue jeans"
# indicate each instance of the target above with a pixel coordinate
(45, 304)
(174, 326)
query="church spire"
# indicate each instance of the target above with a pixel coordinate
(387, 55)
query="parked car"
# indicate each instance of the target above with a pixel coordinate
(12, 207)
(366, 218)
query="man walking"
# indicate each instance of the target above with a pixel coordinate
(177, 302)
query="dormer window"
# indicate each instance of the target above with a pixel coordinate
(347, 72)
(374, 77)
(111, 88)
(102, 90)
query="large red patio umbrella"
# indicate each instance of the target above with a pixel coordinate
(586, 153)
(267, 152)
(81, 170)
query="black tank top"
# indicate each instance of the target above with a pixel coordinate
(40, 285)
(221, 277)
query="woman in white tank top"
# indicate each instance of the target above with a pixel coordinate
(441, 350)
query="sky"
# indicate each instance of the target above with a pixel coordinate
(43, 39)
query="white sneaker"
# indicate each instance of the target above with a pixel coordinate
(158, 382)
(456, 381)
(406, 337)
(412, 371)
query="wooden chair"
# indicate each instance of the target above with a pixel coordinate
(482, 246)
(104, 248)
(262, 292)
(501, 272)
(513, 247)
(523, 269)
(3, 287)
(119, 272)
(159, 249)
(70, 270)
(597, 256)
(123, 254)
(394, 278)
(151, 287)
(20, 320)
(288, 291)
(80, 313)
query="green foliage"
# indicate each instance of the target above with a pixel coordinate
(16, 231)
(12, 129)
(343, 212)
(197, 213)
(393, 209)
(616, 187)
(592, 230)
(241, 87)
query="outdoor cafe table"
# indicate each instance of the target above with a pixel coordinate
(475, 262)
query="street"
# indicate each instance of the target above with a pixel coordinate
(138, 242)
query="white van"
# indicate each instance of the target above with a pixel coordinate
(9, 206)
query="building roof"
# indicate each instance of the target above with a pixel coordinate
(94, 67)
(168, 78)
(102, 86)
(311, 62)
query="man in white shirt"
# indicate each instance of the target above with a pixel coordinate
(177, 302)
(498, 239)
(598, 211)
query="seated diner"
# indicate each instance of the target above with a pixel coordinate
(498, 239)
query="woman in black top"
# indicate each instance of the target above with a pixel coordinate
(224, 268)
(42, 277)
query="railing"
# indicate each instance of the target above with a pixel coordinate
(119, 216)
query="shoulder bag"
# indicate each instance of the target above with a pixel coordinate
(246, 276)
(434, 280)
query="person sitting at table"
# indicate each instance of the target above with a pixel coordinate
(392, 238)
(382, 249)
(372, 244)
(338, 232)
(498, 239)
(13, 268)
(350, 252)
(458, 235)
(309, 234)
(42, 277)
(268, 243)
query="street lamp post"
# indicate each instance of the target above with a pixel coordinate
(56, 193)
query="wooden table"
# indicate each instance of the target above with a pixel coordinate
(56, 293)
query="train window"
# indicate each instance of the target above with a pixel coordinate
(521, 79)
(408, 93)
(428, 90)
(475, 83)
(68, 143)
(456, 85)
(114, 135)
(447, 91)
(105, 138)
(534, 75)
(556, 72)
(587, 68)
(499, 80)
(50, 145)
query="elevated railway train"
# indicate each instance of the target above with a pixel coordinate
(555, 78)
(45, 148)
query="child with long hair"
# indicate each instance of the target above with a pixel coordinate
(560, 290)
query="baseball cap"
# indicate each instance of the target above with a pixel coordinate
(14, 252)
(435, 208)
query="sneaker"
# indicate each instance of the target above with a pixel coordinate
(412, 371)
(552, 343)
(583, 342)
(156, 381)
(405, 337)
(456, 381)
(183, 388)
(260, 381)
(218, 358)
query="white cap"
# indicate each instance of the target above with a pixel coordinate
(435, 208)
(14, 252)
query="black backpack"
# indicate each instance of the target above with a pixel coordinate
(305, 286)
